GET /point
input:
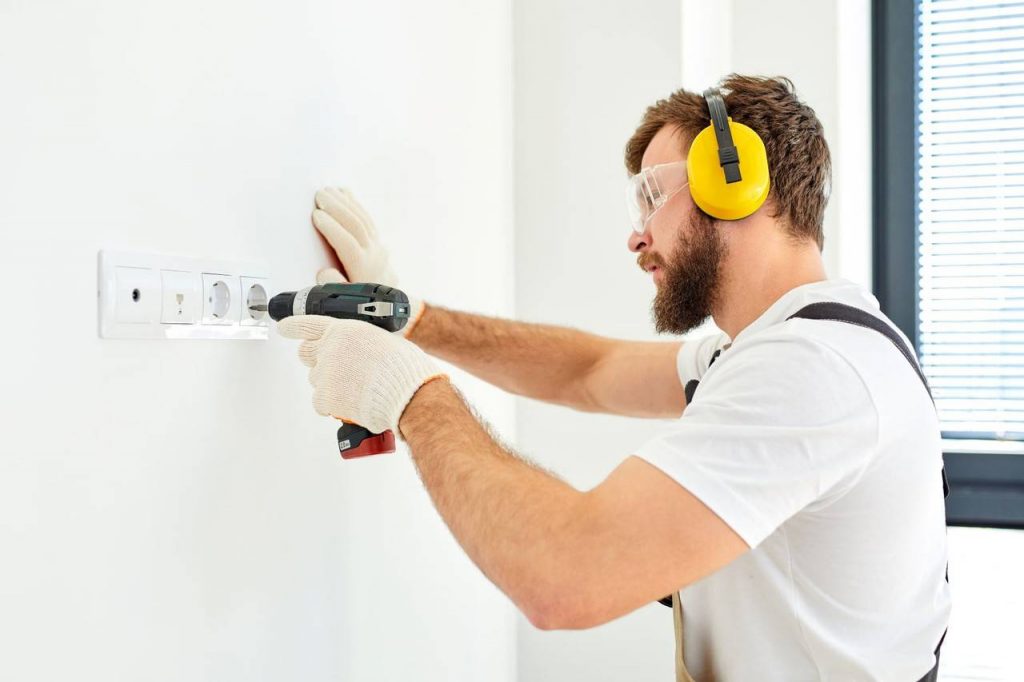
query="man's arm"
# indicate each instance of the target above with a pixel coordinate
(553, 364)
(567, 559)
(557, 364)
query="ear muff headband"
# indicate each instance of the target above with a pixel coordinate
(727, 165)
(728, 157)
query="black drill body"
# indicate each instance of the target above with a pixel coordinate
(380, 305)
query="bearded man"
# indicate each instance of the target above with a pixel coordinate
(793, 510)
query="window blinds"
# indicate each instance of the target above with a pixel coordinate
(970, 117)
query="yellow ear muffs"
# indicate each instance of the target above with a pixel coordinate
(708, 186)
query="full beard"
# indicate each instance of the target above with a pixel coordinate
(691, 284)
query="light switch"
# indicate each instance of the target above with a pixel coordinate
(137, 296)
(181, 297)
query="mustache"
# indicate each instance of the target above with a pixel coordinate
(645, 260)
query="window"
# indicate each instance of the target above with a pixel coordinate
(949, 230)
(970, 217)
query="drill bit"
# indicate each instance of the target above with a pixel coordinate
(260, 308)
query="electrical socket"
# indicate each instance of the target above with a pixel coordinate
(221, 299)
(255, 292)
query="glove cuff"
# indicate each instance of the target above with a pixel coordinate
(400, 375)
(416, 309)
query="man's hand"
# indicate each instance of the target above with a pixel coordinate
(359, 372)
(347, 227)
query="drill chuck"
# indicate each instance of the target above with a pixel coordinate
(280, 306)
(380, 305)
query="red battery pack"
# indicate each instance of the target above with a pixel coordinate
(357, 441)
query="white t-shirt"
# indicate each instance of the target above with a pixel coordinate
(818, 444)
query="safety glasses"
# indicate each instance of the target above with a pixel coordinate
(648, 190)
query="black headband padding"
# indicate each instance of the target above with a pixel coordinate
(728, 157)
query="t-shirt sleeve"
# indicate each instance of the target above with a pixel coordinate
(695, 355)
(778, 423)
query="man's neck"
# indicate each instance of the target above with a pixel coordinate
(754, 283)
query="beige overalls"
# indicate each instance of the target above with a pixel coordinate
(682, 675)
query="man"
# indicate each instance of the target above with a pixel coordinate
(795, 506)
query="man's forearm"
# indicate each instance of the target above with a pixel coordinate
(543, 362)
(557, 364)
(517, 522)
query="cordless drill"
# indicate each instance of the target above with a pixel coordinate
(380, 305)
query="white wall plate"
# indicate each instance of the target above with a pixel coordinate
(157, 296)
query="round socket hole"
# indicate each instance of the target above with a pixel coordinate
(136, 295)
(219, 300)
(256, 295)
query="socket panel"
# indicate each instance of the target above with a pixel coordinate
(156, 296)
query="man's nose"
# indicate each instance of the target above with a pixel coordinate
(639, 242)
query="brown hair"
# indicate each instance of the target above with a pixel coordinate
(798, 158)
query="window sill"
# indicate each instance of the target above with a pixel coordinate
(988, 447)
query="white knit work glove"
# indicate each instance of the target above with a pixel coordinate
(348, 229)
(359, 372)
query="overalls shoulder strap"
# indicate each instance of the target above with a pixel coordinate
(840, 312)
(837, 312)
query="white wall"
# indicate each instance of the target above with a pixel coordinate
(584, 72)
(824, 48)
(176, 510)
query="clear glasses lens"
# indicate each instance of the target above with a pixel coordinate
(648, 190)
